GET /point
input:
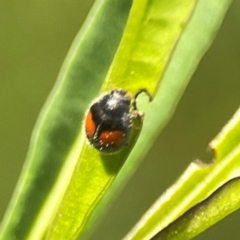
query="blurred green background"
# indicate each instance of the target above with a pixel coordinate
(34, 39)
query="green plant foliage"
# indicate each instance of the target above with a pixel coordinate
(59, 158)
(205, 214)
(223, 201)
(56, 143)
(94, 171)
(149, 38)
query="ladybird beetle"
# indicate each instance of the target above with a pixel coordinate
(108, 122)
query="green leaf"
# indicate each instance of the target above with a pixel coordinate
(56, 140)
(205, 214)
(151, 33)
(223, 201)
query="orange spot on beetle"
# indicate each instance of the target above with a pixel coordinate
(111, 137)
(90, 125)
